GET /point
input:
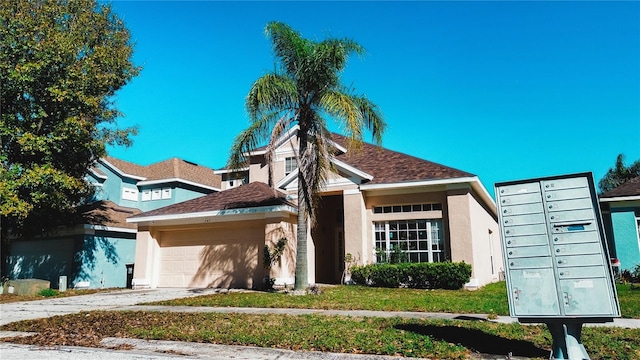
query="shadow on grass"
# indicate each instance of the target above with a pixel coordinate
(476, 340)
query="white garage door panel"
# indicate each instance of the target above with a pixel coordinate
(209, 258)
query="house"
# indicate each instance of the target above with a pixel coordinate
(621, 217)
(374, 201)
(100, 250)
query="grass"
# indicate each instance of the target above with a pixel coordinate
(491, 299)
(436, 339)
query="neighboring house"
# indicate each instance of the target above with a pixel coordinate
(375, 200)
(621, 217)
(100, 250)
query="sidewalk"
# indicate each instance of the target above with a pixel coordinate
(126, 300)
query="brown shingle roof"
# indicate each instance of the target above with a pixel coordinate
(107, 213)
(254, 194)
(630, 188)
(169, 169)
(389, 166)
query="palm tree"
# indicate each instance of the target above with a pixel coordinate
(619, 174)
(305, 87)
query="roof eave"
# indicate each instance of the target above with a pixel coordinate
(216, 215)
(180, 180)
(122, 173)
(473, 181)
(620, 198)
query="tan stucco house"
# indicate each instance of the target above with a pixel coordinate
(374, 201)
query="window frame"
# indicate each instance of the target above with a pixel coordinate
(421, 239)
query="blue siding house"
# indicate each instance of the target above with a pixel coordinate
(99, 251)
(621, 217)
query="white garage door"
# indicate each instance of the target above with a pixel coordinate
(211, 258)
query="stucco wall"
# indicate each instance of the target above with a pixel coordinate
(626, 237)
(99, 259)
(487, 250)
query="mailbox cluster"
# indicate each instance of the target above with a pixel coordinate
(557, 263)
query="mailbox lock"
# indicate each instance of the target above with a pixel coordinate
(561, 274)
(560, 262)
(557, 250)
(508, 231)
(510, 252)
(548, 196)
(512, 264)
(509, 242)
(555, 239)
(552, 217)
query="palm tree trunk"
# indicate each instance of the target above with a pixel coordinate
(302, 265)
(302, 276)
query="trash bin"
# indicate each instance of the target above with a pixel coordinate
(129, 276)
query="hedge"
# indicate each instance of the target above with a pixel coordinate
(442, 275)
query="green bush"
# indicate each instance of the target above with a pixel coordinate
(48, 292)
(444, 275)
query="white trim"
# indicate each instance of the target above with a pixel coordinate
(188, 182)
(99, 176)
(110, 228)
(285, 181)
(120, 172)
(261, 210)
(351, 170)
(286, 136)
(229, 171)
(621, 198)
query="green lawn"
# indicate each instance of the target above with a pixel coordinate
(435, 339)
(491, 299)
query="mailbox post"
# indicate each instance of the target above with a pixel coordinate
(557, 261)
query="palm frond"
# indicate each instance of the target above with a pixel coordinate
(288, 45)
(270, 93)
(249, 139)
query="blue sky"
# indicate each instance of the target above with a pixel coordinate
(503, 90)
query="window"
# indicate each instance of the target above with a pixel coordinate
(130, 194)
(146, 195)
(290, 165)
(166, 193)
(406, 208)
(156, 194)
(420, 240)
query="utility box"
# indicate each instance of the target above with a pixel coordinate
(555, 251)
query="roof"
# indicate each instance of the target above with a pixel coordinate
(389, 166)
(630, 188)
(255, 194)
(107, 213)
(170, 169)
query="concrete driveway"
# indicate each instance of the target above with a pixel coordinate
(11, 312)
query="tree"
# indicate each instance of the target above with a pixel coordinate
(61, 62)
(305, 87)
(619, 174)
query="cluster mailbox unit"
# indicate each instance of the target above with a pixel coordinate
(557, 264)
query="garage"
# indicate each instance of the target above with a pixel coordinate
(212, 257)
(215, 241)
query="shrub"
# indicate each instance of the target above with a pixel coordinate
(48, 292)
(444, 275)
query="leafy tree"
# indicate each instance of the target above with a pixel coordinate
(61, 62)
(305, 87)
(619, 174)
